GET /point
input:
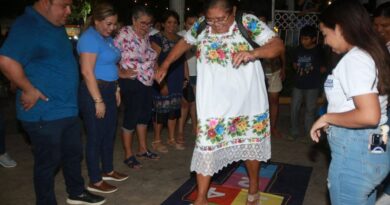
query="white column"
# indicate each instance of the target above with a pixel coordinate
(179, 7)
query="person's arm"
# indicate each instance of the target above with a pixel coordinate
(282, 58)
(121, 41)
(87, 64)
(366, 114)
(273, 48)
(13, 70)
(178, 50)
(186, 75)
(118, 92)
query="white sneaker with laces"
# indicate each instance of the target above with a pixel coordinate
(383, 200)
(6, 161)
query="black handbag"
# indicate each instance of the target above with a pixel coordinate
(188, 93)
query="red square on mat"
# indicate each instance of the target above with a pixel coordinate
(240, 181)
(218, 194)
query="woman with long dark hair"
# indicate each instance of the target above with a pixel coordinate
(356, 92)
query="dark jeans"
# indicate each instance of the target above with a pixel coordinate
(309, 97)
(2, 135)
(100, 132)
(56, 144)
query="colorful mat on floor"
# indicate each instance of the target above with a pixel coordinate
(280, 184)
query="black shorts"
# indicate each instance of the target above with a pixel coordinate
(138, 101)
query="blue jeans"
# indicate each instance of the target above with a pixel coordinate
(2, 135)
(354, 171)
(309, 96)
(100, 132)
(56, 144)
(386, 182)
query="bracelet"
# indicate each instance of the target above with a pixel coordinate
(98, 100)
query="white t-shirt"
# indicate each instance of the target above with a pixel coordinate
(190, 56)
(354, 75)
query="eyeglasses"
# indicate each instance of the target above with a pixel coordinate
(218, 21)
(145, 24)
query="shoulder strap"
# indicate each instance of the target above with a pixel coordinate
(244, 31)
(201, 27)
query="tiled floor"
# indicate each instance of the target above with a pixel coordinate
(157, 179)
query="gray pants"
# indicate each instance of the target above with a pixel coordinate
(310, 98)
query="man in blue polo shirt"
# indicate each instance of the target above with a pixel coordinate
(37, 57)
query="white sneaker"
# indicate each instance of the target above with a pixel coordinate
(383, 200)
(6, 161)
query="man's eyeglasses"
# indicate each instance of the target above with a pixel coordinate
(218, 21)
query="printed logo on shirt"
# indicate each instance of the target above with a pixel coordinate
(305, 65)
(328, 83)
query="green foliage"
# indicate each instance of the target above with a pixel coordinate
(80, 10)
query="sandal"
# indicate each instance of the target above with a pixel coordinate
(148, 155)
(253, 199)
(176, 145)
(132, 162)
(180, 138)
(159, 147)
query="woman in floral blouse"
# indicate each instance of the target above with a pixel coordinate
(136, 80)
(232, 105)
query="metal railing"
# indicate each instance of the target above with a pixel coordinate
(288, 24)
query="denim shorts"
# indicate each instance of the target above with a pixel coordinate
(354, 171)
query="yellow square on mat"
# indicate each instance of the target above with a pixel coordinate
(265, 198)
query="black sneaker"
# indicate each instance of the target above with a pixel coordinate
(86, 198)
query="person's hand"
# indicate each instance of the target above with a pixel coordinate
(315, 131)
(242, 57)
(129, 73)
(160, 74)
(30, 97)
(282, 74)
(133, 72)
(164, 88)
(185, 83)
(100, 108)
(118, 97)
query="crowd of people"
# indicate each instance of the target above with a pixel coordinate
(227, 83)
